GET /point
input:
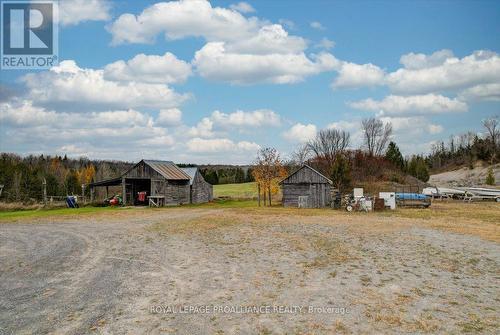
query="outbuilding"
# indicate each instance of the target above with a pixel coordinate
(306, 188)
(161, 182)
(200, 190)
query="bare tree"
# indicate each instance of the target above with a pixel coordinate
(328, 143)
(376, 135)
(300, 155)
(492, 127)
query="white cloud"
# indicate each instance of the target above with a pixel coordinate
(169, 117)
(239, 50)
(76, 88)
(218, 121)
(204, 128)
(353, 75)
(344, 125)
(150, 69)
(325, 43)
(317, 25)
(220, 145)
(441, 72)
(487, 92)
(270, 39)
(180, 19)
(257, 118)
(300, 133)
(242, 7)
(419, 61)
(72, 12)
(411, 105)
(29, 128)
(214, 62)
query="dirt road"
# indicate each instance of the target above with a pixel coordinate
(192, 271)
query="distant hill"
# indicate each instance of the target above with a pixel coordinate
(465, 176)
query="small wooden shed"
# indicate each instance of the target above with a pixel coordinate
(200, 190)
(307, 188)
(161, 181)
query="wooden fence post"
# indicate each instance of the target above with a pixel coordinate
(258, 192)
(44, 191)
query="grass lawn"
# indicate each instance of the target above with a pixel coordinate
(236, 191)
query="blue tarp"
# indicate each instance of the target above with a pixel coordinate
(71, 202)
(411, 196)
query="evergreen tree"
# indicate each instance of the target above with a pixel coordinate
(341, 173)
(393, 155)
(490, 178)
(417, 167)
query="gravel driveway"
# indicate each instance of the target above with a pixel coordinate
(195, 271)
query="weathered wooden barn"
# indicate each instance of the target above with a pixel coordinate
(162, 181)
(200, 190)
(306, 187)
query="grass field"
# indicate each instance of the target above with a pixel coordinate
(236, 191)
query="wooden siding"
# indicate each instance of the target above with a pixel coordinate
(175, 191)
(142, 170)
(306, 175)
(201, 191)
(318, 195)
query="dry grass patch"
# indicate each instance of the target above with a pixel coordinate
(194, 225)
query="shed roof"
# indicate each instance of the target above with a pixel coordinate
(167, 169)
(191, 172)
(319, 176)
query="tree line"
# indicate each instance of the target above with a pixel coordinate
(22, 177)
(379, 158)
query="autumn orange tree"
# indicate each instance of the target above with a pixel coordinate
(267, 172)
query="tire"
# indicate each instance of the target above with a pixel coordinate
(349, 208)
(497, 199)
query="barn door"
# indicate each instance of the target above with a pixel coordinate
(157, 187)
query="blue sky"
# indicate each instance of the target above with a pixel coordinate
(240, 76)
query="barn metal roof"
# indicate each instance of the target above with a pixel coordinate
(191, 171)
(168, 170)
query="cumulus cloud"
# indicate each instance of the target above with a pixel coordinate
(413, 61)
(204, 128)
(411, 105)
(214, 62)
(219, 121)
(184, 18)
(486, 92)
(413, 125)
(353, 75)
(300, 133)
(169, 117)
(220, 145)
(72, 87)
(442, 72)
(270, 39)
(35, 129)
(239, 50)
(72, 12)
(242, 7)
(166, 69)
(257, 118)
